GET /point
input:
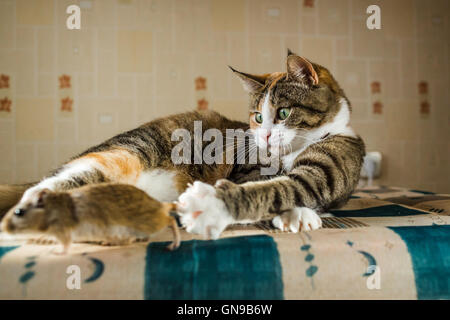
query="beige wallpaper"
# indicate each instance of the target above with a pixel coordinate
(64, 90)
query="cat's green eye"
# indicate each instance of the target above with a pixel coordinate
(283, 113)
(258, 117)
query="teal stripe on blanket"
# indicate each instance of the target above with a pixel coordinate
(429, 247)
(391, 210)
(5, 250)
(233, 268)
(424, 192)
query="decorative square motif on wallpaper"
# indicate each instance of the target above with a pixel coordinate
(4, 81)
(6, 103)
(424, 98)
(308, 3)
(424, 108)
(200, 83)
(423, 88)
(65, 96)
(201, 93)
(376, 97)
(377, 107)
(375, 87)
(202, 104)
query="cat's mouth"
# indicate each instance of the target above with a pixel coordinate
(281, 142)
(276, 149)
(276, 144)
(280, 149)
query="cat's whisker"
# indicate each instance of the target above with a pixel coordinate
(312, 142)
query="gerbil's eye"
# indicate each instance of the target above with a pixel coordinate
(19, 212)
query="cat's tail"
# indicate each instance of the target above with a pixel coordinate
(10, 195)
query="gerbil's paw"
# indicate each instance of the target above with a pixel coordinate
(298, 219)
(174, 245)
(139, 240)
(60, 252)
(202, 212)
(117, 241)
(43, 240)
(64, 250)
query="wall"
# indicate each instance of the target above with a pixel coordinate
(62, 91)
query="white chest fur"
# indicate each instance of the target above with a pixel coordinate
(159, 184)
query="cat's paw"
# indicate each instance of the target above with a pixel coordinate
(298, 219)
(202, 212)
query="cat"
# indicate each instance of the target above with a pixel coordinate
(320, 166)
(302, 116)
(140, 157)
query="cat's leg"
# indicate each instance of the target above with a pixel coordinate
(298, 219)
(208, 211)
(202, 212)
(73, 174)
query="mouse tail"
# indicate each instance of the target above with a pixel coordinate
(10, 195)
(171, 210)
(170, 207)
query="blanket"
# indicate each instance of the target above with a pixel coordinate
(385, 243)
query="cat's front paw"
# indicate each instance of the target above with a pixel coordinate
(202, 212)
(298, 219)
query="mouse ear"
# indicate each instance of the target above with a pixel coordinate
(42, 195)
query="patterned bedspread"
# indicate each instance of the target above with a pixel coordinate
(386, 243)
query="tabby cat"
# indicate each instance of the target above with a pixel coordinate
(140, 157)
(301, 117)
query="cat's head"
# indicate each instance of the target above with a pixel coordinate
(290, 110)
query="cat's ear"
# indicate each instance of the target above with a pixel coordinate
(251, 83)
(301, 70)
(289, 52)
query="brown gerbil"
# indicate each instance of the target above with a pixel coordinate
(113, 214)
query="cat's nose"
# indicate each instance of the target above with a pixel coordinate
(266, 135)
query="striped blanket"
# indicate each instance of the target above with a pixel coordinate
(386, 243)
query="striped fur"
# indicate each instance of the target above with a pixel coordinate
(140, 157)
(321, 157)
(321, 167)
(323, 177)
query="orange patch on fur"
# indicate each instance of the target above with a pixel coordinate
(273, 78)
(196, 214)
(276, 76)
(118, 164)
